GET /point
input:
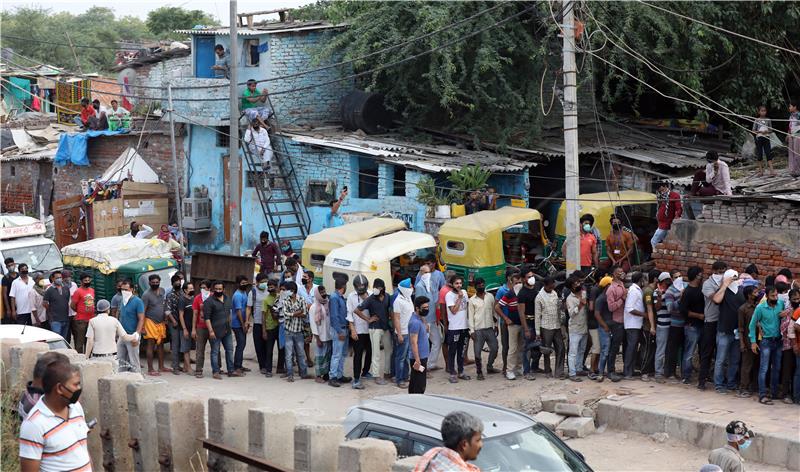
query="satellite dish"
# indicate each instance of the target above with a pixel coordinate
(127, 80)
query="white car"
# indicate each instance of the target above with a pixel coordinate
(27, 334)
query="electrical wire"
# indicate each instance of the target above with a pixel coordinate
(719, 28)
(54, 43)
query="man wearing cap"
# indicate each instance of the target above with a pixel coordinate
(729, 457)
(359, 331)
(663, 323)
(102, 332)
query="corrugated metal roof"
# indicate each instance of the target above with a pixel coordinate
(421, 156)
(269, 28)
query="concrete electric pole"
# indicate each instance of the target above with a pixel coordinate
(571, 139)
(234, 163)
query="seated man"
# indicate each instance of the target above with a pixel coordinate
(257, 140)
(117, 114)
(254, 104)
(87, 112)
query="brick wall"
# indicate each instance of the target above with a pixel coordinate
(771, 214)
(22, 182)
(104, 150)
(701, 243)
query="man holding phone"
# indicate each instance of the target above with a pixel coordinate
(332, 219)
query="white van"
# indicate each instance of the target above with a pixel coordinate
(22, 238)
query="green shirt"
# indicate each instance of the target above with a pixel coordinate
(270, 322)
(769, 317)
(248, 104)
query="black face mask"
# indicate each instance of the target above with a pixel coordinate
(190, 293)
(74, 397)
(480, 289)
(87, 284)
(272, 289)
(176, 285)
(795, 304)
(23, 272)
(219, 293)
(243, 287)
(155, 286)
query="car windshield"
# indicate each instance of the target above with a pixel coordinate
(534, 448)
(58, 344)
(44, 257)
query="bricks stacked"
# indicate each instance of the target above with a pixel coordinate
(771, 213)
(19, 191)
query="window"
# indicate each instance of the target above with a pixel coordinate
(252, 53)
(321, 192)
(367, 178)
(397, 438)
(13, 171)
(399, 182)
(455, 247)
(253, 176)
(223, 140)
(318, 260)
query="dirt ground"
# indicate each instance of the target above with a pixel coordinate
(605, 451)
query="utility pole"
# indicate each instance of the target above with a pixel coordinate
(571, 138)
(234, 163)
(178, 201)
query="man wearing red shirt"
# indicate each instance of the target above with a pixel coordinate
(82, 302)
(669, 209)
(199, 329)
(87, 111)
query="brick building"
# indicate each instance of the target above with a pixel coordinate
(26, 179)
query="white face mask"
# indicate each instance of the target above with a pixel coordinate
(531, 281)
(679, 284)
(517, 288)
(126, 295)
(204, 293)
(376, 292)
(426, 277)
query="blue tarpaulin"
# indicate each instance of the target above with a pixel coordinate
(72, 147)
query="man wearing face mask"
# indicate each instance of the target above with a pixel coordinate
(53, 436)
(173, 315)
(19, 295)
(359, 331)
(507, 309)
(708, 340)
(730, 297)
(217, 315)
(380, 312)
(271, 329)
(82, 302)
(155, 328)
(589, 244)
(480, 313)
(457, 328)
(294, 312)
(240, 321)
(748, 359)
(402, 308)
(339, 333)
(56, 302)
(131, 316)
(8, 279)
(729, 457)
(199, 327)
(619, 245)
(255, 306)
(767, 317)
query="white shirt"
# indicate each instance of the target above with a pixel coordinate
(259, 143)
(361, 325)
(323, 329)
(21, 292)
(457, 320)
(634, 301)
(73, 287)
(119, 112)
(36, 303)
(258, 318)
(70, 438)
(103, 330)
(405, 308)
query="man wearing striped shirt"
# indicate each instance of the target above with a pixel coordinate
(53, 437)
(663, 323)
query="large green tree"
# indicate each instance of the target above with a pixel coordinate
(163, 21)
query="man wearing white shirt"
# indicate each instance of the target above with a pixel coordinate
(634, 318)
(140, 231)
(359, 331)
(116, 114)
(102, 332)
(257, 139)
(402, 309)
(21, 307)
(457, 329)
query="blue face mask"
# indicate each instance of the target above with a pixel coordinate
(745, 444)
(587, 228)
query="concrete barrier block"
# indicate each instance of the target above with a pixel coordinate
(576, 427)
(794, 456)
(549, 401)
(113, 422)
(406, 464)
(775, 449)
(367, 455)
(316, 447)
(643, 419)
(271, 435)
(549, 420)
(608, 413)
(228, 424)
(23, 359)
(180, 429)
(142, 396)
(568, 409)
(72, 354)
(5, 360)
(91, 372)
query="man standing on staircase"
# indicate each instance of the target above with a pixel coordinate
(258, 143)
(268, 254)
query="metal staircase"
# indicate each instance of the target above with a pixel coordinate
(279, 194)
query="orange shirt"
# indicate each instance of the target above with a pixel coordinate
(588, 241)
(619, 243)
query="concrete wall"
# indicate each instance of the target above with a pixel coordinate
(701, 243)
(160, 73)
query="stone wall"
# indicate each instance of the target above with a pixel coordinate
(160, 73)
(701, 243)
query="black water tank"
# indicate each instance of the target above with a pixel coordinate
(365, 111)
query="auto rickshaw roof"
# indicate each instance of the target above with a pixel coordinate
(596, 202)
(363, 255)
(332, 238)
(481, 224)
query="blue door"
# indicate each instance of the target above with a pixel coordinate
(204, 56)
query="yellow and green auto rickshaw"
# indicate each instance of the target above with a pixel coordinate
(480, 245)
(636, 210)
(318, 245)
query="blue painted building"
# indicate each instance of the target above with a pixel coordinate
(379, 171)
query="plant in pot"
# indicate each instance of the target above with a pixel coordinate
(432, 198)
(468, 179)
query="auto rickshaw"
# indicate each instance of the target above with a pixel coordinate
(318, 245)
(479, 245)
(636, 210)
(374, 258)
(120, 257)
